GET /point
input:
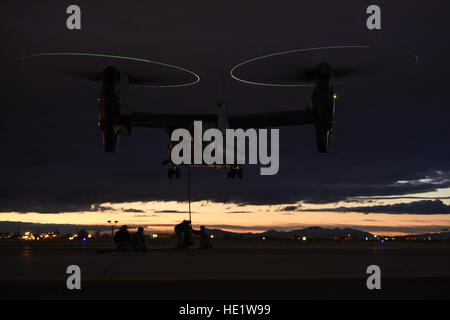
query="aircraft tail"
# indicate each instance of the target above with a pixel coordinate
(222, 113)
(125, 109)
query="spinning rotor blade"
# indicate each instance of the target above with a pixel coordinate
(89, 76)
(346, 72)
(141, 80)
(308, 75)
(132, 78)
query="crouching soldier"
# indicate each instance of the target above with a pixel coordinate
(122, 239)
(139, 240)
(183, 234)
(204, 238)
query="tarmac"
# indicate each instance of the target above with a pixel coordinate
(232, 269)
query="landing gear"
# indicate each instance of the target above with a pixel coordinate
(240, 173)
(174, 172)
(235, 171)
(323, 138)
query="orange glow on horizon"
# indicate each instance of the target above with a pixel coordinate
(162, 216)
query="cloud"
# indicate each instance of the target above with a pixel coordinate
(145, 215)
(370, 199)
(290, 208)
(172, 211)
(133, 210)
(101, 208)
(428, 207)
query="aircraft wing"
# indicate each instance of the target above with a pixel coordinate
(244, 121)
(271, 119)
(168, 120)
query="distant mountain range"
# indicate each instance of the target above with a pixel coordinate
(318, 233)
(309, 233)
(433, 236)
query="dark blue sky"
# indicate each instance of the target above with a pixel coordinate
(391, 127)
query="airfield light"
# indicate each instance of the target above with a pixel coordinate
(335, 96)
(155, 235)
(28, 236)
(264, 238)
(211, 236)
(304, 238)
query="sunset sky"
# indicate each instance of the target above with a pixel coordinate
(389, 166)
(162, 216)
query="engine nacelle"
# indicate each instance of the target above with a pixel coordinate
(114, 120)
(324, 121)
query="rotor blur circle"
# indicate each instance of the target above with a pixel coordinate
(269, 84)
(195, 80)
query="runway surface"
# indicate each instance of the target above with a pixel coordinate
(233, 269)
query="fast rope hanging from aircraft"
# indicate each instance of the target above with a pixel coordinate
(189, 193)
